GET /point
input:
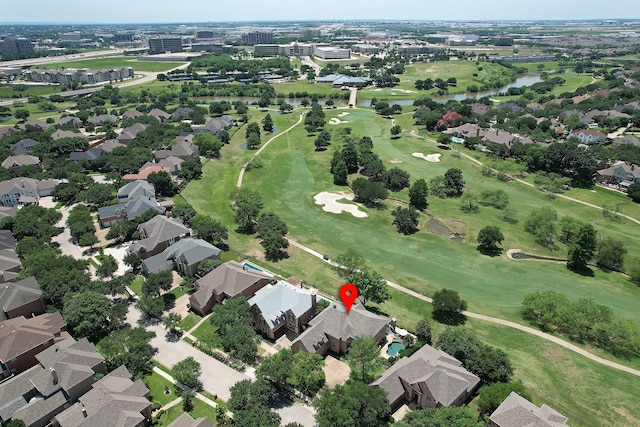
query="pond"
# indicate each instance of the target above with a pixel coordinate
(437, 228)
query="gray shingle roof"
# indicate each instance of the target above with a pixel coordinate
(187, 251)
(24, 146)
(516, 411)
(139, 187)
(435, 370)
(185, 420)
(157, 230)
(335, 322)
(275, 300)
(18, 294)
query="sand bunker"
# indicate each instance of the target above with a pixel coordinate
(331, 204)
(406, 91)
(343, 114)
(336, 121)
(433, 158)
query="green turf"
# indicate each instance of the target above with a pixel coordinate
(113, 62)
(136, 285)
(156, 385)
(200, 409)
(189, 321)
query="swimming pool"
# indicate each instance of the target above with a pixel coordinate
(457, 140)
(252, 267)
(394, 348)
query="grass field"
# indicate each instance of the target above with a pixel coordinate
(7, 91)
(113, 62)
(157, 385)
(200, 410)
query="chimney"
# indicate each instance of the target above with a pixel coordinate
(478, 133)
(54, 375)
(497, 131)
(22, 183)
(84, 412)
(313, 299)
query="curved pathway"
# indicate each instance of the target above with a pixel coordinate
(495, 320)
(244, 167)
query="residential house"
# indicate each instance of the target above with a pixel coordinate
(516, 411)
(157, 234)
(113, 401)
(22, 298)
(144, 172)
(66, 134)
(70, 120)
(21, 339)
(128, 134)
(625, 139)
(498, 136)
(581, 116)
(10, 265)
(448, 119)
(19, 161)
(185, 420)
(6, 131)
(109, 145)
(579, 98)
(37, 124)
(535, 106)
(159, 115)
(215, 125)
(132, 114)
(24, 146)
(465, 130)
(173, 163)
(480, 108)
(7, 241)
(510, 107)
(90, 155)
(22, 190)
(136, 188)
(183, 149)
(334, 329)
(184, 256)
(619, 172)
(229, 280)
(130, 210)
(103, 118)
(65, 372)
(182, 113)
(429, 378)
(282, 308)
(588, 136)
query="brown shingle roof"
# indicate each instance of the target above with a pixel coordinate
(516, 411)
(19, 335)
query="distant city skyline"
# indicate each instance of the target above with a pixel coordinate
(197, 11)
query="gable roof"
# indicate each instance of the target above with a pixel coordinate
(441, 374)
(185, 251)
(129, 133)
(19, 335)
(66, 134)
(135, 188)
(159, 114)
(157, 230)
(9, 264)
(185, 420)
(131, 114)
(24, 146)
(334, 321)
(7, 241)
(131, 209)
(516, 411)
(18, 294)
(98, 120)
(109, 145)
(274, 301)
(230, 279)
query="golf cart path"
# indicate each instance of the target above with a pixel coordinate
(495, 320)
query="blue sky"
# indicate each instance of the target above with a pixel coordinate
(161, 11)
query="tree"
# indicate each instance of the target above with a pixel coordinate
(423, 330)
(248, 203)
(372, 287)
(634, 270)
(270, 222)
(350, 156)
(610, 254)
(348, 263)
(364, 358)
(233, 321)
(395, 179)
(253, 141)
(157, 282)
(187, 371)
(448, 306)
(133, 260)
(88, 313)
(108, 266)
(16, 423)
(171, 321)
(543, 309)
(406, 220)
(276, 369)
(130, 347)
(207, 228)
(275, 245)
(490, 238)
(634, 192)
(323, 140)
(584, 248)
(267, 123)
(367, 192)
(207, 265)
(491, 396)
(453, 416)
(224, 136)
(490, 364)
(418, 194)
(306, 374)
(395, 131)
(190, 169)
(163, 183)
(340, 173)
(454, 181)
(354, 404)
(21, 114)
(469, 202)
(252, 128)
(248, 402)
(151, 306)
(541, 223)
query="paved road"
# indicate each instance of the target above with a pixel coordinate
(502, 322)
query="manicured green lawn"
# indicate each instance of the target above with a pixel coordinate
(156, 385)
(189, 321)
(200, 410)
(136, 285)
(207, 333)
(113, 62)
(7, 91)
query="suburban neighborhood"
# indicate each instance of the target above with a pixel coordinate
(181, 204)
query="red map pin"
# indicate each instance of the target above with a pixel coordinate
(348, 294)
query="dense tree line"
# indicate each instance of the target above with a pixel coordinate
(583, 321)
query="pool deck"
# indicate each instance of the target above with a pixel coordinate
(384, 348)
